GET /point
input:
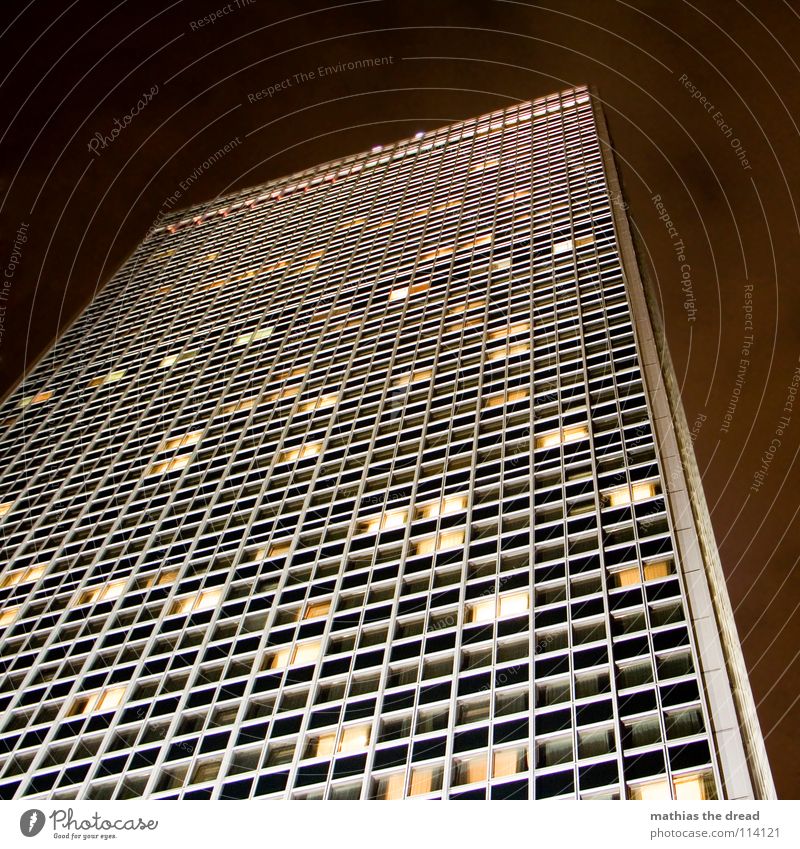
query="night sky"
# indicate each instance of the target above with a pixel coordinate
(702, 101)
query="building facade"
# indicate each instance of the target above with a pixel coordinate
(372, 483)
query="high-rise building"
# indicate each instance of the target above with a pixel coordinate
(372, 482)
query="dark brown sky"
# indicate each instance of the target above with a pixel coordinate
(69, 69)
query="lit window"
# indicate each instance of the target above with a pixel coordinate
(292, 454)
(104, 700)
(22, 576)
(406, 379)
(511, 330)
(177, 358)
(425, 779)
(279, 549)
(255, 336)
(651, 791)
(499, 400)
(446, 506)
(659, 569)
(169, 465)
(639, 492)
(562, 247)
(103, 380)
(104, 592)
(390, 787)
(471, 770)
(35, 399)
(390, 520)
(6, 507)
(447, 539)
(280, 659)
(238, 406)
(510, 351)
(509, 762)
(320, 403)
(404, 291)
(7, 616)
(626, 577)
(562, 437)
(306, 653)
(354, 738)
(694, 787)
(584, 240)
(481, 611)
(317, 609)
(203, 600)
(502, 264)
(513, 604)
(163, 579)
(182, 441)
(322, 746)
(465, 306)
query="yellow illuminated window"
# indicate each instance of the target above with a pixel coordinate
(182, 441)
(319, 403)
(163, 579)
(279, 549)
(508, 762)
(447, 539)
(660, 569)
(4, 508)
(502, 264)
(316, 609)
(513, 604)
(22, 576)
(447, 505)
(392, 786)
(8, 615)
(415, 377)
(104, 700)
(169, 465)
(421, 781)
(693, 787)
(499, 400)
(562, 247)
(103, 380)
(237, 406)
(199, 601)
(264, 333)
(300, 453)
(627, 577)
(510, 351)
(481, 166)
(354, 738)
(390, 520)
(306, 653)
(651, 791)
(640, 491)
(281, 659)
(511, 330)
(481, 611)
(177, 358)
(472, 770)
(103, 593)
(322, 747)
(35, 399)
(561, 437)
(584, 240)
(466, 306)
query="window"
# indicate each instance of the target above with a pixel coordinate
(638, 492)
(470, 770)
(695, 786)
(354, 737)
(562, 437)
(425, 779)
(481, 611)
(317, 609)
(415, 377)
(447, 505)
(659, 569)
(203, 600)
(6, 507)
(168, 465)
(103, 592)
(103, 380)
(35, 399)
(446, 539)
(182, 441)
(312, 449)
(626, 577)
(22, 576)
(303, 653)
(390, 520)
(513, 604)
(651, 791)
(389, 787)
(107, 699)
(509, 761)
(264, 333)
(319, 403)
(7, 616)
